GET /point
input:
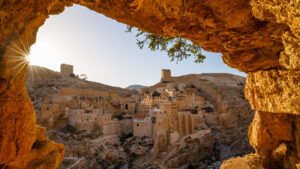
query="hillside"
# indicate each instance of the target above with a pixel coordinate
(228, 116)
(39, 75)
(210, 85)
(135, 87)
(221, 125)
(42, 82)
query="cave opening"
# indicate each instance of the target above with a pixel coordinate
(256, 38)
(79, 51)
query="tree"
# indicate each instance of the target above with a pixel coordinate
(83, 76)
(177, 48)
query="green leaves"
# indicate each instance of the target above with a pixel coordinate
(177, 48)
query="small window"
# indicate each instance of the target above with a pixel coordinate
(137, 125)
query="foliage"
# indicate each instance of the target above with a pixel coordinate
(177, 48)
(119, 117)
(209, 109)
(192, 166)
(68, 129)
(124, 137)
(83, 76)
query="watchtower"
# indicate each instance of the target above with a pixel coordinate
(165, 74)
(66, 70)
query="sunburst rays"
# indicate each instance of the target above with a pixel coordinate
(17, 58)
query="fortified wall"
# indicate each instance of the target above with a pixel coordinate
(259, 37)
(55, 106)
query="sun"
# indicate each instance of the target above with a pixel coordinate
(45, 53)
(23, 56)
(18, 56)
(29, 58)
(38, 54)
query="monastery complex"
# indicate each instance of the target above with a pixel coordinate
(169, 113)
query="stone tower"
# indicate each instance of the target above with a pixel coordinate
(66, 70)
(165, 74)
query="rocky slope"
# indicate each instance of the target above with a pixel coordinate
(42, 82)
(37, 75)
(260, 37)
(228, 120)
(227, 123)
(93, 150)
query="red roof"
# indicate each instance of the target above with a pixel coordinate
(140, 116)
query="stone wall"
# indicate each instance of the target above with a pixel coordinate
(127, 126)
(83, 119)
(53, 108)
(112, 127)
(142, 126)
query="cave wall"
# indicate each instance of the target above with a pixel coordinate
(259, 37)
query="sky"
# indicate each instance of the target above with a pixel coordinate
(100, 48)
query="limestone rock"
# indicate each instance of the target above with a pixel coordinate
(20, 135)
(280, 11)
(275, 137)
(190, 149)
(250, 161)
(224, 26)
(290, 57)
(276, 91)
(268, 130)
(250, 34)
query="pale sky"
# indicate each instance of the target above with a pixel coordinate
(100, 48)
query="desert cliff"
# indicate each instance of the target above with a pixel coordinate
(194, 120)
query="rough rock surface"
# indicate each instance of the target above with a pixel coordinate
(191, 149)
(252, 35)
(221, 26)
(276, 91)
(94, 150)
(275, 136)
(250, 161)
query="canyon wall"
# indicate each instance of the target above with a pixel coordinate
(259, 37)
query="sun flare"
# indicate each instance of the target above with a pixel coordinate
(46, 54)
(17, 58)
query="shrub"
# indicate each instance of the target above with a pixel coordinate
(209, 109)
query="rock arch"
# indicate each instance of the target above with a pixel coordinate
(259, 37)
